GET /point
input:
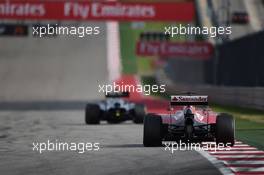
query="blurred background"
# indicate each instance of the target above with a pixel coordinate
(53, 67)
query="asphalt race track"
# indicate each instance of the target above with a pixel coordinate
(44, 86)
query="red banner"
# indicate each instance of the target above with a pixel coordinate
(201, 50)
(79, 10)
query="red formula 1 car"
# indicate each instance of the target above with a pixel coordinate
(240, 18)
(194, 121)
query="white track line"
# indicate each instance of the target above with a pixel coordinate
(218, 164)
(244, 169)
(240, 150)
(234, 149)
(239, 156)
(113, 50)
(234, 145)
(247, 162)
(241, 145)
(235, 152)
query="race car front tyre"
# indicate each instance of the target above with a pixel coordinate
(139, 113)
(225, 129)
(92, 114)
(152, 135)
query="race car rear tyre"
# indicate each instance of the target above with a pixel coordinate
(92, 114)
(225, 129)
(139, 113)
(152, 135)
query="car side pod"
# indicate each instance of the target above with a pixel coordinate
(225, 129)
(152, 135)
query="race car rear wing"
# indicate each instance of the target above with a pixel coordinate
(185, 100)
(117, 94)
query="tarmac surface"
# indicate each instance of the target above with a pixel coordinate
(44, 86)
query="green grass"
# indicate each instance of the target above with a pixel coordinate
(242, 113)
(249, 124)
(127, 49)
(131, 63)
(250, 135)
(150, 80)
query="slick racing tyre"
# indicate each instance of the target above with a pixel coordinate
(92, 114)
(139, 113)
(152, 135)
(225, 129)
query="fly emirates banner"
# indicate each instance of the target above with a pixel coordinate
(60, 10)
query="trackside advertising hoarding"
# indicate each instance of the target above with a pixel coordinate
(79, 10)
(199, 50)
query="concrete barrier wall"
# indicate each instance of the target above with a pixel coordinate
(252, 97)
(240, 62)
(193, 70)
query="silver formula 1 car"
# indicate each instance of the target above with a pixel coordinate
(114, 109)
(192, 121)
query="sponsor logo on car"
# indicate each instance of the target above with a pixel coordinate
(189, 98)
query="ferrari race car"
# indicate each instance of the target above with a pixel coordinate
(114, 109)
(240, 18)
(192, 121)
